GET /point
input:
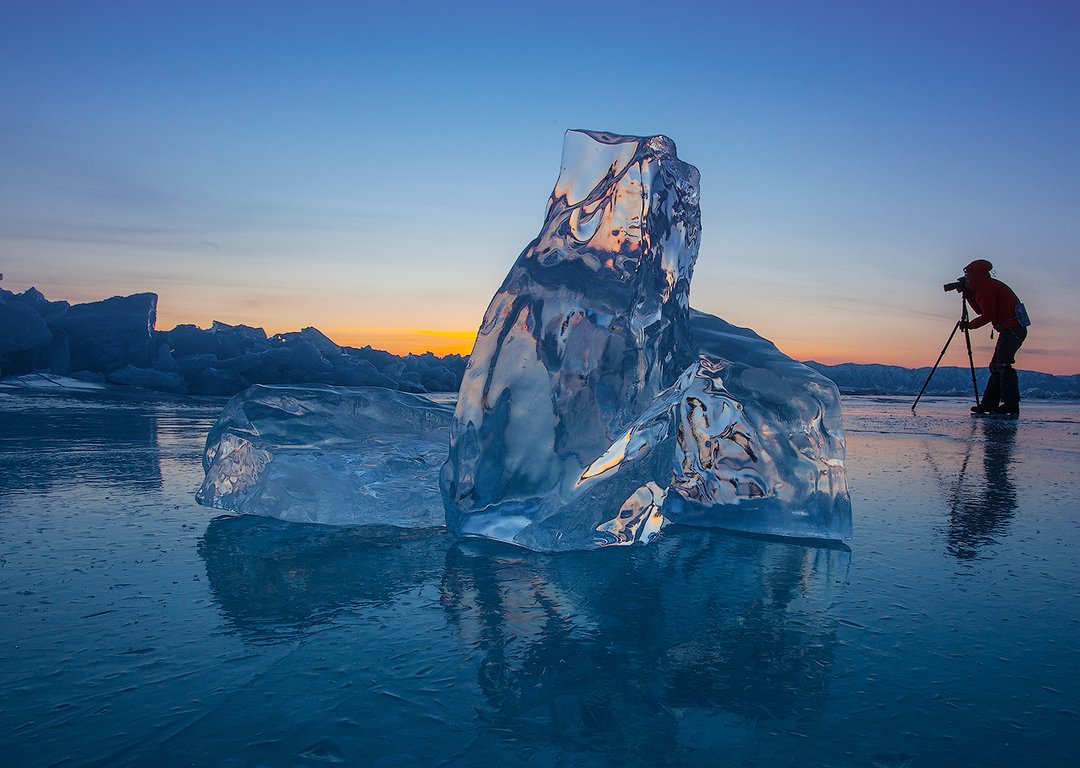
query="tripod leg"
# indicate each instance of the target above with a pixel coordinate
(929, 375)
(971, 362)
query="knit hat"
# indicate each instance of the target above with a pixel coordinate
(978, 266)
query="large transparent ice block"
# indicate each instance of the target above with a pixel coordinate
(589, 326)
(334, 455)
(586, 417)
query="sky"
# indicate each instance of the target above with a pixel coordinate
(374, 169)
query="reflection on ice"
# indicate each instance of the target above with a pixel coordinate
(614, 653)
(272, 579)
(981, 504)
(618, 653)
(96, 441)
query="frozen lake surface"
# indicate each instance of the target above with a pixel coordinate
(141, 629)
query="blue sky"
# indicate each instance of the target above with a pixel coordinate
(373, 170)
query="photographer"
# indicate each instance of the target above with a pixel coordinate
(996, 303)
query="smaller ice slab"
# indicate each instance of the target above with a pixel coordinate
(332, 455)
(48, 381)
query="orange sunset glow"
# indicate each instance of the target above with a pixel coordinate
(403, 341)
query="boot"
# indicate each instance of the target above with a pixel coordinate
(992, 393)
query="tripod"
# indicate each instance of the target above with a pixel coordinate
(971, 361)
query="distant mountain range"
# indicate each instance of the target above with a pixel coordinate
(116, 341)
(873, 379)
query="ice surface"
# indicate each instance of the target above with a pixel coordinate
(328, 455)
(244, 636)
(586, 416)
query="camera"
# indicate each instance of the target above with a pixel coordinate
(959, 285)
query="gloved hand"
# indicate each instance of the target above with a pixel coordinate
(964, 325)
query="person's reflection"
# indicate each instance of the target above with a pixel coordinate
(599, 650)
(980, 509)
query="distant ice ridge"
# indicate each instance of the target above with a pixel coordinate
(594, 409)
(330, 455)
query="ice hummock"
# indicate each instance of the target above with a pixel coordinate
(593, 412)
(333, 455)
(596, 407)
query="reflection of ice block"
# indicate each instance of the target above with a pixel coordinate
(698, 626)
(588, 327)
(328, 455)
(587, 418)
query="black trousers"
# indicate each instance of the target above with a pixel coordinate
(1003, 388)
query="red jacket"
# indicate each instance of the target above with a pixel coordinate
(992, 299)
